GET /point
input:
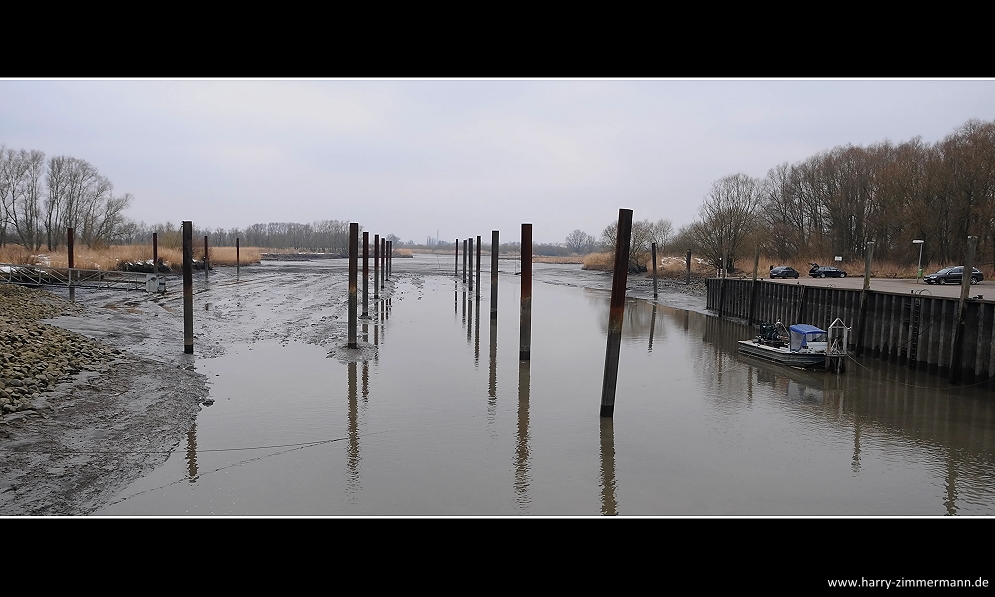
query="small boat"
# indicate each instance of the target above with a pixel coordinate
(801, 345)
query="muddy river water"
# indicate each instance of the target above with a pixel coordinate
(434, 414)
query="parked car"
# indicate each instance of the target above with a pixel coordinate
(953, 275)
(783, 271)
(824, 271)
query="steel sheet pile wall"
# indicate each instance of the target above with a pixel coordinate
(909, 329)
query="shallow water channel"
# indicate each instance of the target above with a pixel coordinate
(435, 415)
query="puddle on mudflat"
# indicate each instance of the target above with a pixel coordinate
(443, 419)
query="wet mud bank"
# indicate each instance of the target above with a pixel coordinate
(82, 416)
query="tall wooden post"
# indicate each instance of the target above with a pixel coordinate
(494, 273)
(525, 321)
(622, 239)
(238, 262)
(188, 287)
(653, 253)
(957, 348)
(207, 264)
(478, 271)
(155, 259)
(456, 262)
(353, 275)
(687, 263)
(753, 287)
(376, 266)
(71, 242)
(469, 259)
(366, 274)
(862, 309)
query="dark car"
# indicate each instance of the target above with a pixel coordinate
(953, 275)
(783, 271)
(824, 271)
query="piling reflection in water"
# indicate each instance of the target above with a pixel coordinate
(352, 452)
(609, 505)
(492, 374)
(522, 454)
(191, 458)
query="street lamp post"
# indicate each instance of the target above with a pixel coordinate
(919, 270)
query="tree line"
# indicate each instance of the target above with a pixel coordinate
(40, 198)
(834, 202)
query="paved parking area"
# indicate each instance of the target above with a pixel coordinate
(900, 286)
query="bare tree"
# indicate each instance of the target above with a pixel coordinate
(726, 219)
(580, 242)
(639, 243)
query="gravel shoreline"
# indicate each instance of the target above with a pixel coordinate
(81, 418)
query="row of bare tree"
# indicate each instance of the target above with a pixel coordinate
(836, 201)
(40, 198)
(326, 236)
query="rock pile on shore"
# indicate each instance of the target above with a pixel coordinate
(34, 357)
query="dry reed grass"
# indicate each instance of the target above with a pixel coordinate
(401, 253)
(574, 259)
(108, 258)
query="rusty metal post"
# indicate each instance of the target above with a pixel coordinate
(188, 287)
(687, 263)
(238, 262)
(376, 266)
(456, 262)
(622, 239)
(366, 275)
(207, 264)
(383, 263)
(353, 275)
(653, 252)
(525, 343)
(390, 258)
(469, 259)
(478, 270)
(155, 255)
(494, 273)
(464, 262)
(70, 241)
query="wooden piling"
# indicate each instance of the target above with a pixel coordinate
(155, 257)
(525, 336)
(653, 252)
(456, 260)
(957, 347)
(70, 241)
(376, 266)
(469, 259)
(478, 269)
(722, 286)
(390, 258)
(353, 274)
(238, 262)
(494, 274)
(207, 265)
(622, 239)
(464, 262)
(383, 263)
(687, 263)
(188, 287)
(753, 288)
(862, 310)
(366, 274)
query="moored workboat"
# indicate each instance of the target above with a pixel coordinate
(801, 345)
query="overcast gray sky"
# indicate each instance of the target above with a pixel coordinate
(408, 157)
